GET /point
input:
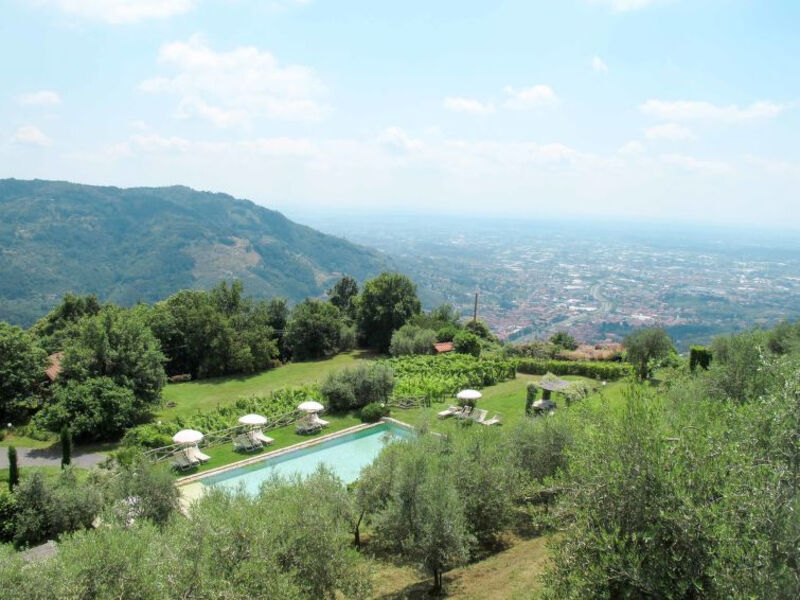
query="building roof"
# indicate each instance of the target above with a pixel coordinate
(54, 368)
(443, 347)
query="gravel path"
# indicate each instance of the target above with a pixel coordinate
(50, 457)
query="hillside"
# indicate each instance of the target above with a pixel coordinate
(127, 245)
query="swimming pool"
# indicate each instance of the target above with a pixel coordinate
(345, 456)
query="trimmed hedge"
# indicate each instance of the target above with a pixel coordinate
(593, 369)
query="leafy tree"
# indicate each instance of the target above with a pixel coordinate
(410, 339)
(447, 333)
(343, 296)
(699, 356)
(22, 365)
(386, 303)
(66, 446)
(313, 330)
(738, 370)
(423, 519)
(442, 316)
(645, 347)
(55, 326)
(564, 340)
(95, 409)
(467, 343)
(479, 328)
(118, 344)
(139, 491)
(13, 469)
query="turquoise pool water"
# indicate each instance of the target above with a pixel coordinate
(345, 456)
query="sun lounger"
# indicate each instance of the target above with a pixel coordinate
(308, 426)
(464, 413)
(495, 420)
(257, 436)
(448, 412)
(182, 462)
(478, 415)
(193, 453)
(244, 443)
(314, 418)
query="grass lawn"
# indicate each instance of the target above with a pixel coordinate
(49, 472)
(284, 436)
(511, 574)
(206, 394)
(20, 441)
(507, 398)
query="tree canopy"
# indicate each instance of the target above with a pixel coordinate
(386, 303)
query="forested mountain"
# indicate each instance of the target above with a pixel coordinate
(127, 245)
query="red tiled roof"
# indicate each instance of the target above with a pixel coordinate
(443, 347)
(55, 365)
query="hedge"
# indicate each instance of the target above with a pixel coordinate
(592, 369)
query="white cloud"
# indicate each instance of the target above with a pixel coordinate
(118, 12)
(684, 110)
(632, 148)
(30, 134)
(235, 87)
(397, 140)
(531, 98)
(153, 143)
(669, 131)
(40, 98)
(467, 105)
(690, 163)
(624, 5)
(599, 65)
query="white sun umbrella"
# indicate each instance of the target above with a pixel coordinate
(310, 406)
(187, 436)
(468, 395)
(253, 420)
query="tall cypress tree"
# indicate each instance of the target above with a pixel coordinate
(66, 447)
(13, 468)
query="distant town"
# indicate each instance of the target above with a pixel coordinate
(597, 282)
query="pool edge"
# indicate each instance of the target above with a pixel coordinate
(196, 477)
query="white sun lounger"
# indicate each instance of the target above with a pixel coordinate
(314, 418)
(182, 462)
(193, 452)
(464, 413)
(243, 442)
(448, 412)
(257, 437)
(495, 420)
(478, 415)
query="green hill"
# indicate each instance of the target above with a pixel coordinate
(127, 245)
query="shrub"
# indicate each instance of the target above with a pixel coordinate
(562, 339)
(13, 468)
(447, 333)
(355, 388)
(8, 514)
(410, 339)
(467, 343)
(592, 369)
(531, 391)
(373, 412)
(699, 356)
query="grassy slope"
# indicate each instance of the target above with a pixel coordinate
(49, 472)
(511, 574)
(207, 394)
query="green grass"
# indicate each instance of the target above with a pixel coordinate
(284, 436)
(48, 472)
(21, 441)
(206, 394)
(507, 398)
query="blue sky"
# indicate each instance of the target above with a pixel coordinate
(656, 109)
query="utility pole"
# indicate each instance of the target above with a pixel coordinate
(475, 313)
